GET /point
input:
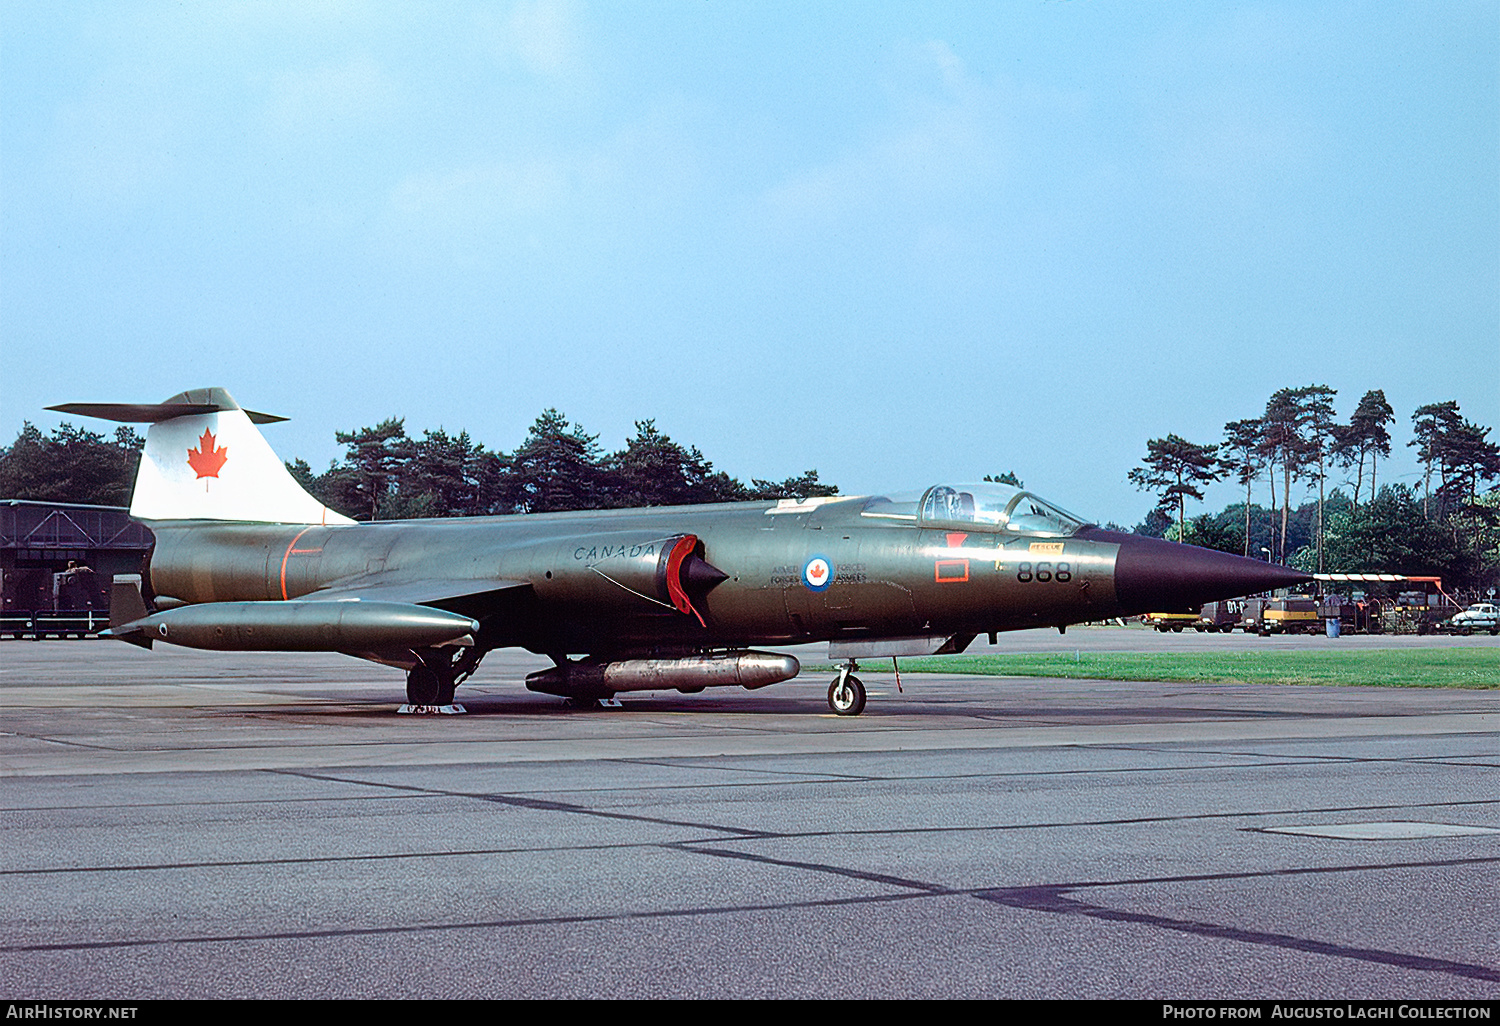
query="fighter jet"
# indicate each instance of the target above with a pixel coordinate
(620, 600)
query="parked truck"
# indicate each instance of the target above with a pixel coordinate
(1294, 614)
(1174, 622)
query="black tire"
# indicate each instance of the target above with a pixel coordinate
(848, 699)
(423, 686)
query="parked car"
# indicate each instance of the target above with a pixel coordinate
(1481, 616)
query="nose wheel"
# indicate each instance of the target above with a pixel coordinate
(846, 695)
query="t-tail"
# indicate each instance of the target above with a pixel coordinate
(205, 460)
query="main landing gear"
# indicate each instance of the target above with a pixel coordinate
(431, 682)
(846, 695)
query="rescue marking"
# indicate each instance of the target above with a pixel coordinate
(1047, 548)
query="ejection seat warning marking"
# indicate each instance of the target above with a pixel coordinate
(951, 571)
(818, 573)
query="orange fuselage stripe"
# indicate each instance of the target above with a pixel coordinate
(288, 555)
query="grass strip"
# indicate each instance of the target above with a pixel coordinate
(1407, 668)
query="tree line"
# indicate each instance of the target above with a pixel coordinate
(1446, 527)
(386, 474)
(71, 465)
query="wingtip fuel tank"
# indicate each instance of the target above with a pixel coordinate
(270, 626)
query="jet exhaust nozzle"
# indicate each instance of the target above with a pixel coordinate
(301, 626)
(747, 669)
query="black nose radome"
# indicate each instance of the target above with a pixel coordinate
(1156, 576)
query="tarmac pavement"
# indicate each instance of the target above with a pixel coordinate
(188, 824)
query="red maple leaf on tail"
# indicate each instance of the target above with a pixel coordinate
(207, 460)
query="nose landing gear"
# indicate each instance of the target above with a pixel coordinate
(846, 695)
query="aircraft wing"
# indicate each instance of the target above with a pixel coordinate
(424, 591)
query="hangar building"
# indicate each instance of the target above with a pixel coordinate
(60, 557)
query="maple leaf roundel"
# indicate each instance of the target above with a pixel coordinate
(207, 460)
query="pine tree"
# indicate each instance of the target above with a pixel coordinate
(1174, 467)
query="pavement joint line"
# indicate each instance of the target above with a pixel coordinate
(746, 784)
(788, 835)
(1045, 898)
(1055, 900)
(550, 805)
(375, 931)
(851, 740)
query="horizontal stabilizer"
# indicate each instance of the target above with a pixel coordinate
(185, 404)
(152, 413)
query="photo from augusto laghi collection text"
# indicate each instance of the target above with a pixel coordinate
(1261, 1010)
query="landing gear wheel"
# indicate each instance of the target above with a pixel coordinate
(425, 687)
(846, 695)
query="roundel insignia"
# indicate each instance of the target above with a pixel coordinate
(817, 574)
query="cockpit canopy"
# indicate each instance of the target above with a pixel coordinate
(984, 506)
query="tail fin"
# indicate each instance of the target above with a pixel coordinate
(205, 460)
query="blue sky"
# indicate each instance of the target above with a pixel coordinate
(898, 243)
